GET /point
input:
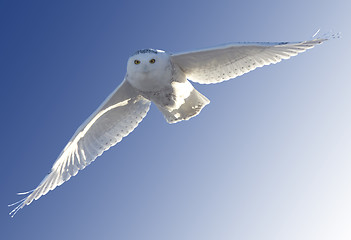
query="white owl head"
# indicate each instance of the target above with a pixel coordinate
(146, 61)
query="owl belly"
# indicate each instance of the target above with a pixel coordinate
(172, 98)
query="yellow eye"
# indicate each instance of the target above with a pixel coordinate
(152, 60)
(136, 62)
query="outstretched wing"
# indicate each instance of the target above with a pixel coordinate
(222, 63)
(117, 116)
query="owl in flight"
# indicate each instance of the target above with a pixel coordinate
(162, 78)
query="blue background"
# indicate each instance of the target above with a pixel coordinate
(269, 158)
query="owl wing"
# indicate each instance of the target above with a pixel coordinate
(116, 117)
(214, 65)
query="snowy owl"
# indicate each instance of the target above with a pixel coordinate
(162, 78)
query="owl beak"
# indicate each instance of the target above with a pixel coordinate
(146, 69)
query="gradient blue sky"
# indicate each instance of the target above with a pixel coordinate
(269, 158)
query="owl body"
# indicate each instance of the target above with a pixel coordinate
(153, 74)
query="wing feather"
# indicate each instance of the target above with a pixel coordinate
(222, 63)
(117, 116)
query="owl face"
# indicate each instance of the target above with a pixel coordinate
(149, 69)
(146, 61)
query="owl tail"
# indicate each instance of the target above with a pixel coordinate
(191, 107)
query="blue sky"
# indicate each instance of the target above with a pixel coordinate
(269, 158)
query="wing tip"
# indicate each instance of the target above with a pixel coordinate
(21, 204)
(326, 36)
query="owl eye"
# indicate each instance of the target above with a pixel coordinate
(136, 62)
(152, 60)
